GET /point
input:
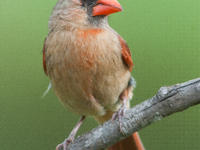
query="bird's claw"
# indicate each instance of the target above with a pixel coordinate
(71, 136)
(64, 144)
(120, 113)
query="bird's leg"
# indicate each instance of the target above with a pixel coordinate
(124, 97)
(71, 136)
(120, 113)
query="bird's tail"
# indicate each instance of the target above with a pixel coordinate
(132, 142)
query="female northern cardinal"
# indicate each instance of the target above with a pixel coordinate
(89, 64)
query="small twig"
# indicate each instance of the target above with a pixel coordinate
(167, 101)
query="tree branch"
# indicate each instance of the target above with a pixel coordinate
(168, 100)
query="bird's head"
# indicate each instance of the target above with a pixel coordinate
(83, 13)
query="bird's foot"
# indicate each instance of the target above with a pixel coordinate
(65, 143)
(71, 136)
(120, 113)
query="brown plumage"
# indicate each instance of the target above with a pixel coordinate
(88, 63)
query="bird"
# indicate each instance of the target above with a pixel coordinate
(89, 65)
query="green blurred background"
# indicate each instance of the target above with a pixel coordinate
(164, 36)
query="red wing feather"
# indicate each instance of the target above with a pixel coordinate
(126, 53)
(44, 61)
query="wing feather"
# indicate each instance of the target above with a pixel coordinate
(44, 58)
(126, 53)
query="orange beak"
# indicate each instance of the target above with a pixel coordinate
(106, 7)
